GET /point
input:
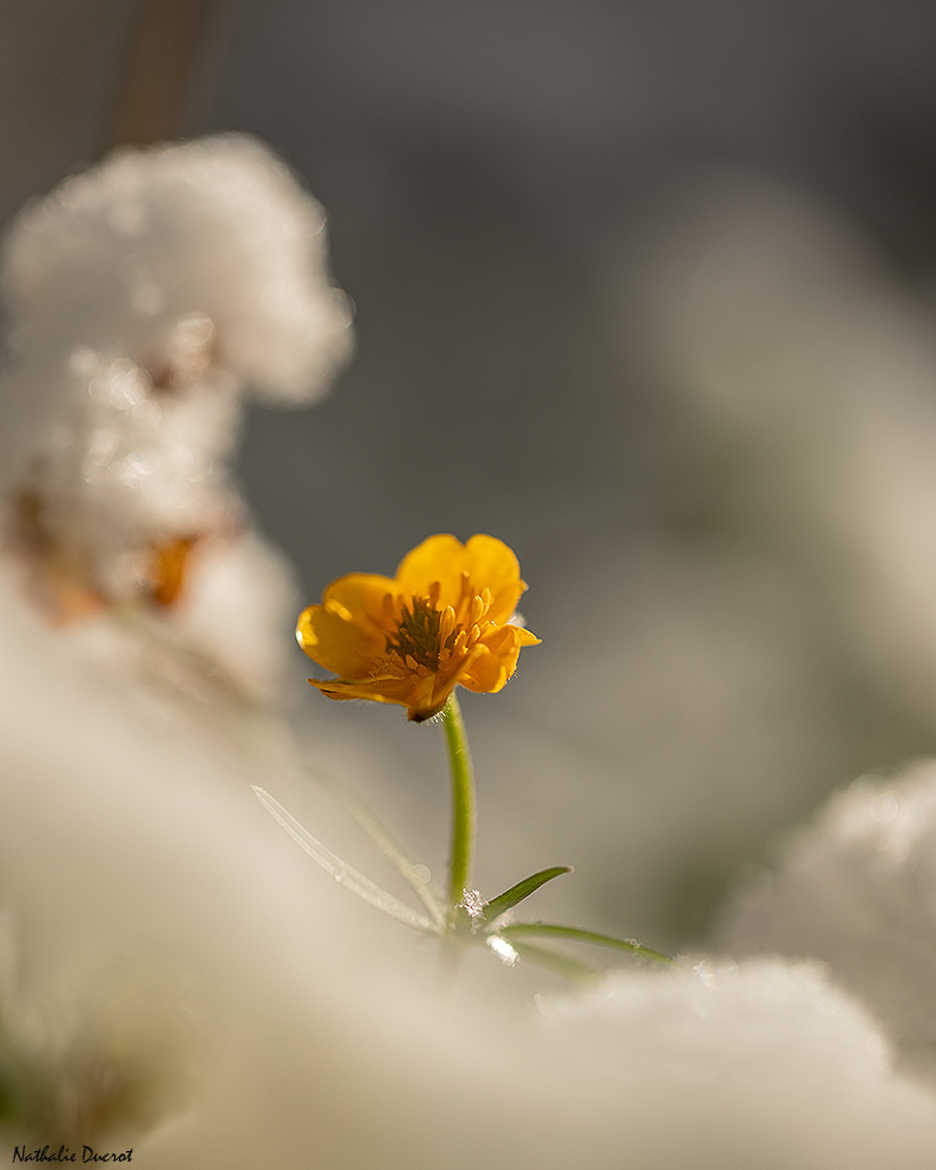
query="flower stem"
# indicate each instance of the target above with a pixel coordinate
(463, 802)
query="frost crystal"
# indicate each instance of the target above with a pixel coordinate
(474, 904)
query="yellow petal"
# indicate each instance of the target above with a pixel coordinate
(508, 638)
(360, 595)
(430, 698)
(384, 689)
(344, 647)
(438, 558)
(342, 634)
(411, 691)
(488, 672)
(491, 564)
(505, 601)
(497, 661)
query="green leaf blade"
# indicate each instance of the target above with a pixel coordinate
(342, 871)
(573, 933)
(499, 906)
(415, 875)
(551, 961)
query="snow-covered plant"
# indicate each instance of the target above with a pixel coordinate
(145, 297)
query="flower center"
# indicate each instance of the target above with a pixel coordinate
(418, 633)
(428, 637)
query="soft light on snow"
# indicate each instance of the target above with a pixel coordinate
(218, 228)
(857, 889)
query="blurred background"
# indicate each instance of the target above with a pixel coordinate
(646, 291)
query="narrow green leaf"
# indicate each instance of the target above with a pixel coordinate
(343, 873)
(510, 898)
(416, 875)
(549, 930)
(560, 964)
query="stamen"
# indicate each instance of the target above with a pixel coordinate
(446, 623)
(466, 592)
(416, 639)
(473, 635)
(435, 591)
(475, 610)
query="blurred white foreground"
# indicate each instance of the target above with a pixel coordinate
(149, 897)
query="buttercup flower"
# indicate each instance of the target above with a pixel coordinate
(444, 620)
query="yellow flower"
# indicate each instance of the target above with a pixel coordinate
(444, 620)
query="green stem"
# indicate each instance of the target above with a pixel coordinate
(463, 810)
